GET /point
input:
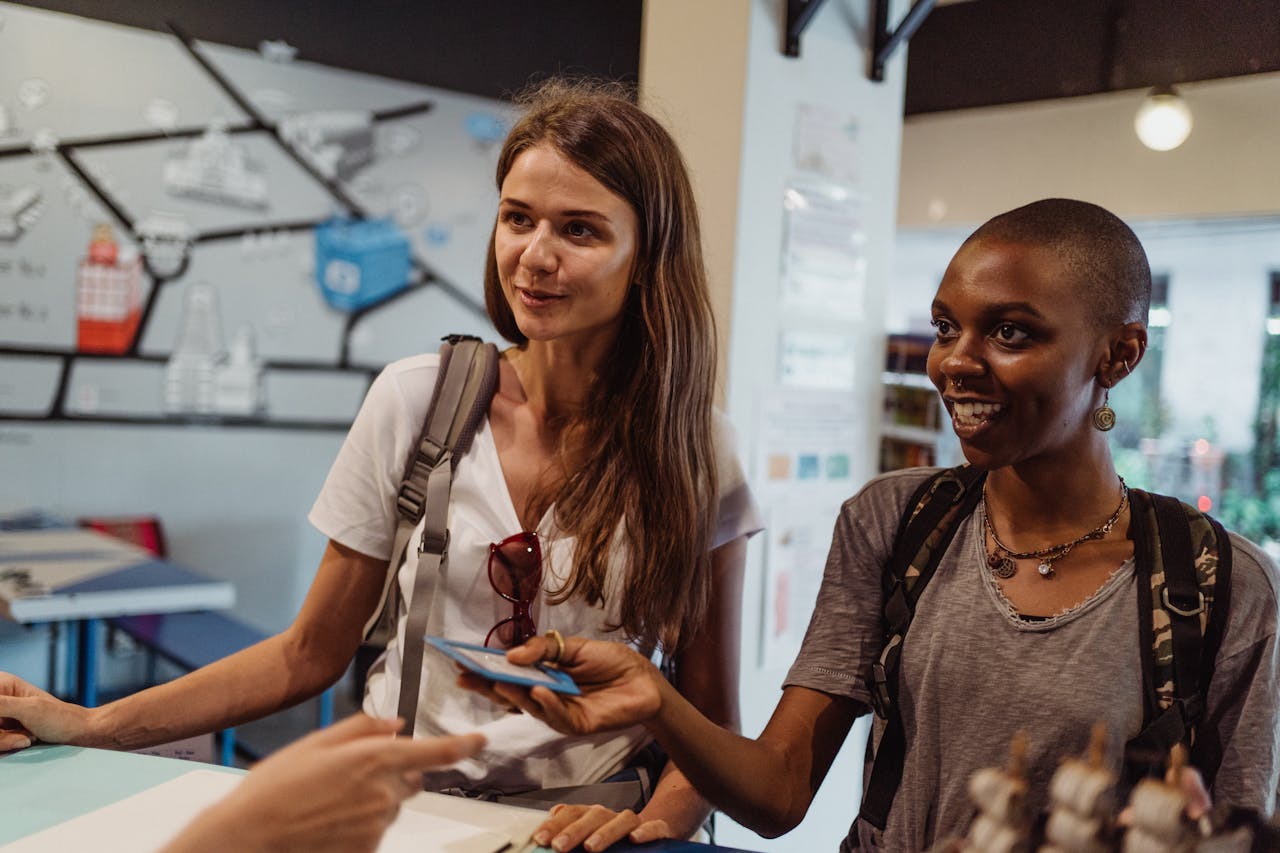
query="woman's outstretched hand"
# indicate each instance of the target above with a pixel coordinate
(29, 714)
(620, 688)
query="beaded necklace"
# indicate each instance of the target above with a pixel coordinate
(1000, 559)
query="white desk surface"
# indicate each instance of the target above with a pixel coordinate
(75, 573)
(55, 796)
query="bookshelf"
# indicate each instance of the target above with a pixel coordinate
(913, 423)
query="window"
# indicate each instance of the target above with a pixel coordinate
(1140, 413)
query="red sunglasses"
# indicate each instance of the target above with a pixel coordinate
(515, 573)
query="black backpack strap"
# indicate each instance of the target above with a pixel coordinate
(928, 525)
(465, 384)
(1183, 591)
(1184, 603)
(1206, 749)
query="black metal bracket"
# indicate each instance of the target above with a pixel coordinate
(799, 14)
(886, 42)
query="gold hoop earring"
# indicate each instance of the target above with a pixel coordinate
(1104, 417)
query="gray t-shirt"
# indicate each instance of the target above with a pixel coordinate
(973, 673)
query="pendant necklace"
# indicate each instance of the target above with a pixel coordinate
(1000, 559)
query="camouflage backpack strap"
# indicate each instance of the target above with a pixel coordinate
(1183, 566)
(928, 525)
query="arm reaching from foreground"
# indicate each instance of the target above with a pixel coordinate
(337, 789)
(765, 784)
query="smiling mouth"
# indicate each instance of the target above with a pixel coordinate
(536, 298)
(974, 414)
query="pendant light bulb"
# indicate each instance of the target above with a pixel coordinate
(1163, 121)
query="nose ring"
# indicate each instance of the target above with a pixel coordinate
(957, 384)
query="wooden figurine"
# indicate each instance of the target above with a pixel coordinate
(1081, 802)
(1158, 820)
(1003, 822)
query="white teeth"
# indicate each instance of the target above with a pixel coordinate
(975, 411)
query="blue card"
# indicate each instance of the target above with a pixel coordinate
(493, 665)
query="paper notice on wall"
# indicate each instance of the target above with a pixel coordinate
(798, 538)
(824, 263)
(816, 360)
(825, 142)
(804, 471)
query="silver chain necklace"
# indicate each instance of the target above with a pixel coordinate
(1000, 559)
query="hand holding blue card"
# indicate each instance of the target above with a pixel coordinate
(493, 665)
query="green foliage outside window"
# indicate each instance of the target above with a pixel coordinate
(1254, 516)
(1266, 431)
(1252, 509)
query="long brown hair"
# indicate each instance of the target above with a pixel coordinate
(642, 448)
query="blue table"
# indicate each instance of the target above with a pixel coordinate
(46, 785)
(55, 575)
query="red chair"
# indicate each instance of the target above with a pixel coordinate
(141, 530)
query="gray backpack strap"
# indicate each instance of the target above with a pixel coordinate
(465, 385)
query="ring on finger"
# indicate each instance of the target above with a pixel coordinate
(555, 635)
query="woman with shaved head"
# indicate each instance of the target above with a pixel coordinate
(1048, 610)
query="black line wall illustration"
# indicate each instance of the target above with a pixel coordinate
(186, 214)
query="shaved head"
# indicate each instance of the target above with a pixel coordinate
(1108, 267)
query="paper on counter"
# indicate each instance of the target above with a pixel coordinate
(35, 543)
(150, 818)
(52, 559)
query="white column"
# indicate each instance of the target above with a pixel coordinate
(693, 73)
(714, 69)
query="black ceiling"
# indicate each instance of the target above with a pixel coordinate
(966, 54)
(985, 52)
(485, 47)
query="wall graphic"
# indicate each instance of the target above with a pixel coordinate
(191, 232)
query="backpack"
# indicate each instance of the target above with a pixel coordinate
(1180, 554)
(464, 387)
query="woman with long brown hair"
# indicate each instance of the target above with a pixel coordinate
(601, 456)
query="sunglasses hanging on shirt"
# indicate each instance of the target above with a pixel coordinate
(515, 573)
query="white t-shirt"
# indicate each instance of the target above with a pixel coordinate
(356, 507)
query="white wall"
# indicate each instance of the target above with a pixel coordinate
(698, 93)
(233, 502)
(964, 166)
(830, 73)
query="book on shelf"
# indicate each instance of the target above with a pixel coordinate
(910, 420)
(897, 453)
(911, 406)
(907, 353)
